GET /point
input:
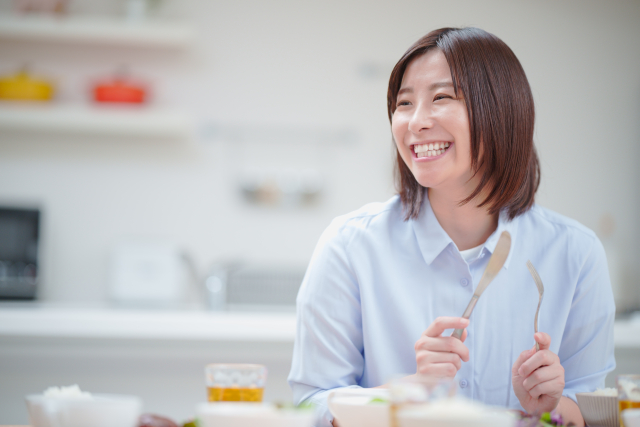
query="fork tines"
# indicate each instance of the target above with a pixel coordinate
(536, 277)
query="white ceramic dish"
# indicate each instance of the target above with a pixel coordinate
(101, 410)
(245, 414)
(455, 413)
(631, 417)
(598, 410)
(353, 407)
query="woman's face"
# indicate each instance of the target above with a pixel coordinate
(431, 127)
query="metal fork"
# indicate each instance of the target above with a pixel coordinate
(536, 278)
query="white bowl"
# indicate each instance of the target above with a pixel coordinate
(353, 407)
(598, 410)
(246, 414)
(455, 413)
(631, 417)
(101, 410)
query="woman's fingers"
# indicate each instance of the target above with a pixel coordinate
(442, 323)
(542, 376)
(524, 356)
(438, 370)
(537, 360)
(551, 388)
(426, 357)
(440, 356)
(443, 344)
(543, 339)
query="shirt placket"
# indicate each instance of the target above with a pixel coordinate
(465, 284)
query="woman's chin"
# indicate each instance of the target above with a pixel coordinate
(426, 181)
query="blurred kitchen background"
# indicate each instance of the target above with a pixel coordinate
(166, 169)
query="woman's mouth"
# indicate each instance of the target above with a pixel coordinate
(432, 149)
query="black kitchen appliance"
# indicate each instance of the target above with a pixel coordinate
(19, 230)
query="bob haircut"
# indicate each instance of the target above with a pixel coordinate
(487, 74)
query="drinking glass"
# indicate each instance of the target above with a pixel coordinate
(235, 382)
(628, 393)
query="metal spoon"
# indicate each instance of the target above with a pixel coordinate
(536, 278)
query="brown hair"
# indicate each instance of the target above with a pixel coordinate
(501, 118)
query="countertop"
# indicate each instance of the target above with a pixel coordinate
(46, 320)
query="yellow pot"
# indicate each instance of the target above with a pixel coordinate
(22, 87)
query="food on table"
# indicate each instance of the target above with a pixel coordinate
(547, 419)
(235, 394)
(628, 393)
(152, 420)
(235, 382)
(69, 391)
(606, 392)
(600, 407)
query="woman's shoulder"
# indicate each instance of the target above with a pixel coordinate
(549, 225)
(368, 218)
(546, 217)
(388, 210)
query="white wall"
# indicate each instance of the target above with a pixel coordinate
(292, 65)
(299, 65)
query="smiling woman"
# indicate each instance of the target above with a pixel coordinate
(479, 88)
(386, 282)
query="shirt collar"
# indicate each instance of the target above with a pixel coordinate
(432, 239)
(504, 224)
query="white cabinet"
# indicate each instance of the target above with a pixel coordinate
(96, 120)
(145, 121)
(92, 30)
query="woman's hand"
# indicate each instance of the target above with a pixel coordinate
(538, 377)
(438, 356)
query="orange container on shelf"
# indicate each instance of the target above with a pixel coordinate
(120, 89)
(23, 87)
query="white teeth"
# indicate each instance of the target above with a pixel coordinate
(431, 149)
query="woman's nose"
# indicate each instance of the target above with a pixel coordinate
(422, 119)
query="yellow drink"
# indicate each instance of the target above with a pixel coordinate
(625, 404)
(235, 394)
(393, 414)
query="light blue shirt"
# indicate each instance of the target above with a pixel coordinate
(376, 282)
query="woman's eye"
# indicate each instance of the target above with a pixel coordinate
(442, 96)
(403, 103)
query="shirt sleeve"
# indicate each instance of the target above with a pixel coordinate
(587, 348)
(328, 350)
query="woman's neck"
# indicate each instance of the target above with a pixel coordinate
(467, 225)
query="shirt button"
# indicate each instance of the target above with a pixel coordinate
(464, 383)
(464, 282)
